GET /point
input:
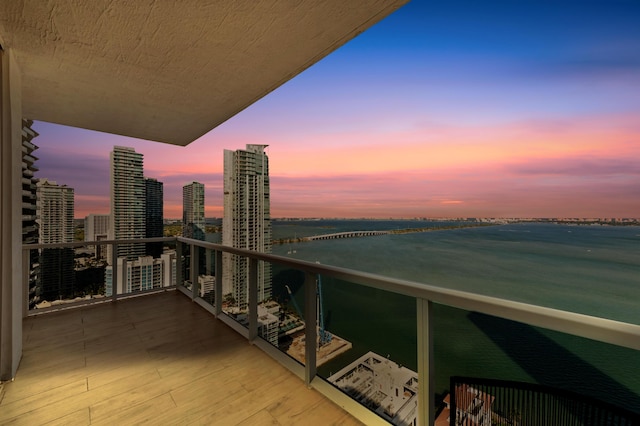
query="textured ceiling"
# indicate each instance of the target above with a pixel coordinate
(168, 71)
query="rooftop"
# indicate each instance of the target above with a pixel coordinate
(153, 358)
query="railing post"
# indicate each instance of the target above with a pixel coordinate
(114, 272)
(193, 276)
(310, 326)
(179, 264)
(426, 371)
(253, 299)
(218, 283)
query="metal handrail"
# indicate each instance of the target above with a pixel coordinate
(595, 328)
(96, 243)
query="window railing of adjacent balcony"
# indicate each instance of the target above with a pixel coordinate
(408, 326)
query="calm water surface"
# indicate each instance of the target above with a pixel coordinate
(587, 269)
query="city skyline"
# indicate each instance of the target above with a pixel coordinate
(527, 109)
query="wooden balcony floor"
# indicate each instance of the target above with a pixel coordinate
(156, 359)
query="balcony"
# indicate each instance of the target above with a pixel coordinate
(159, 356)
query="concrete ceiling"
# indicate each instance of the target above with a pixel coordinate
(164, 70)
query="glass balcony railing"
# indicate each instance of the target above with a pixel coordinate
(369, 348)
(382, 348)
(68, 274)
(489, 348)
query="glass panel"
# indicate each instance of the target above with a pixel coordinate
(207, 271)
(370, 346)
(170, 248)
(72, 274)
(288, 295)
(235, 304)
(186, 265)
(207, 275)
(90, 269)
(229, 290)
(268, 309)
(235, 287)
(144, 273)
(482, 346)
(31, 277)
(155, 249)
(64, 275)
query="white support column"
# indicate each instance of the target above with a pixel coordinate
(195, 268)
(179, 264)
(426, 370)
(11, 291)
(116, 281)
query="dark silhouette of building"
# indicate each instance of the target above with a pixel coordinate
(154, 214)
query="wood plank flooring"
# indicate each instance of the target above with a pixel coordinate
(157, 359)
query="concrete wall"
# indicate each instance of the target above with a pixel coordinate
(11, 288)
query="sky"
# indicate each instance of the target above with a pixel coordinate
(519, 108)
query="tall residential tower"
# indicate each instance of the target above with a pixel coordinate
(247, 220)
(54, 216)
(96, 228)
(128, 214)
(193, 211)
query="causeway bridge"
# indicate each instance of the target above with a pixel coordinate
(349, 234)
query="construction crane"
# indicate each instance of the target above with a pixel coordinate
(293, 300)
(325, 336)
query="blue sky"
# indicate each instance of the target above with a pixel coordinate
(444, 109)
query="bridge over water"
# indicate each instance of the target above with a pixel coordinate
(355, 234)
(349, 234)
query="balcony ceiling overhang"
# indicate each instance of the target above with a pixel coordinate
(168, 71)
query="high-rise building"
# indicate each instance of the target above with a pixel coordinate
(54, 216)
(247, 220)
(128, 214)
(206, 286)
(54, 212)
(193, 211)
(29, 225)
(144, 273)
(96, 228)
(154, 214)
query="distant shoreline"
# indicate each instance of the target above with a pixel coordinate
(489, 220)
(500, 220)
(356, 234)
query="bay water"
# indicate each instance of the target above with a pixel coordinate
(593, 270)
